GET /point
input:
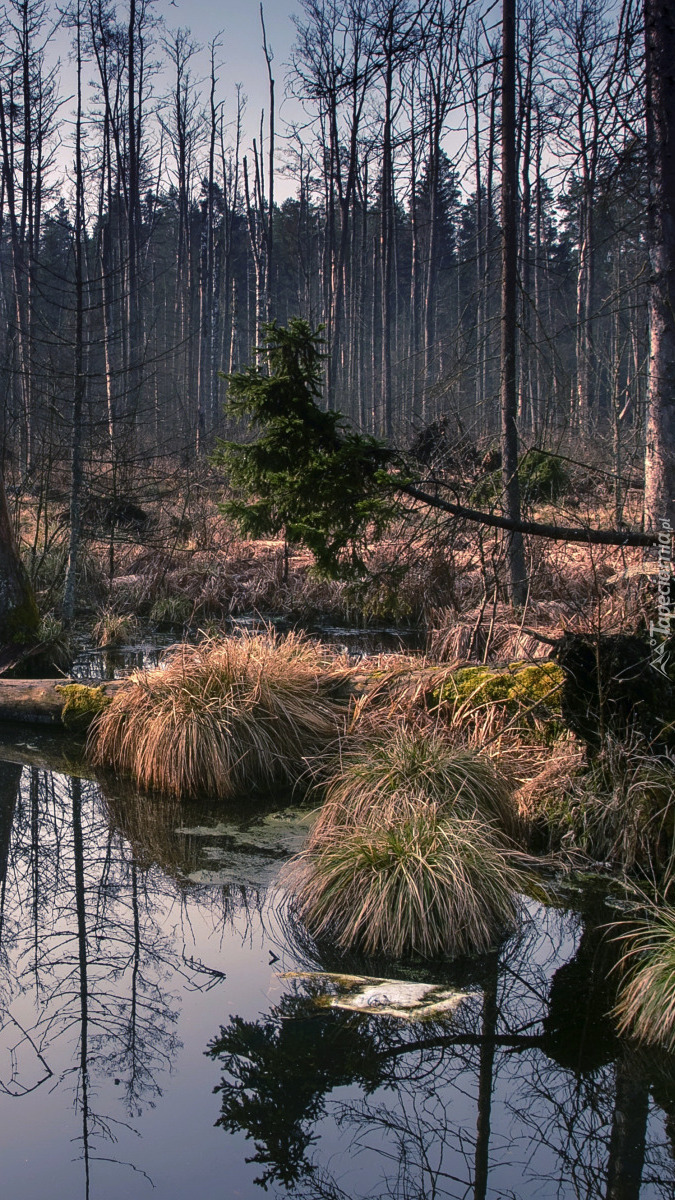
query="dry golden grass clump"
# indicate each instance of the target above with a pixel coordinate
(424, 884)
(223, 716)
(646, 1007)
(409, 856)
(387, 772)
(618, 809)
(550, 780)
(113, 628)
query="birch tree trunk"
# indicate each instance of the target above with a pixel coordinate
(76, 478)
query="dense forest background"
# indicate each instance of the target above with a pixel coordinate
(142, 245)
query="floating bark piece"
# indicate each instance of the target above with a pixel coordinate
(402, 998)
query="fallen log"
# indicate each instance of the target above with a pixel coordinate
(49, 701)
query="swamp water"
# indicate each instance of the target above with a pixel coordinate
(163, 1031)
(92, 664)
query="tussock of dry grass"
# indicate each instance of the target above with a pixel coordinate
(223, 716)
(408, 856)
(556, 776)
(646, 1007)
(425, 884)
(113, 629)
(390, 771)
(620, 809)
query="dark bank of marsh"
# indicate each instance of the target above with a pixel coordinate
(147, 958)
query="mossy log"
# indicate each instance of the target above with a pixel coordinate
(63, 702)
(69, 704)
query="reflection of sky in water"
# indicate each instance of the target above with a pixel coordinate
(110, 947)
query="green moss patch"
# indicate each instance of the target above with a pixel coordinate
(528, 690)
(81, 705)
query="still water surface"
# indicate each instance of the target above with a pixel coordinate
(116, 663)
(149, 1045)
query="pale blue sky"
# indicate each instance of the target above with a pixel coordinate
(241, 58)
(241, 54)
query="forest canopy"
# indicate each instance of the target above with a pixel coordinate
(390, 236)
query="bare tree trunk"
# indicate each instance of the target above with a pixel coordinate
(133, 230)
(486, 1081)
(431, 252)
(83, 984)
(515, 548)
(76, 476)
(414, 339)
(393, 49)
(386, 244)
(205, 377)
(584, 332)
(231, 194)
(525, 122)
(486, 306)
(270, 185)
(660, 123)
(19, 274)
(255, 218)
(479, 240)
(537, 270)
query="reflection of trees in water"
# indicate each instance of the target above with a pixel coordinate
(78, 926)
(154, 826)
(92, 896)
(278, 1072)
(88, 946)
(445, 1107)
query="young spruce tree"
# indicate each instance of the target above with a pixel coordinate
(306, 474)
